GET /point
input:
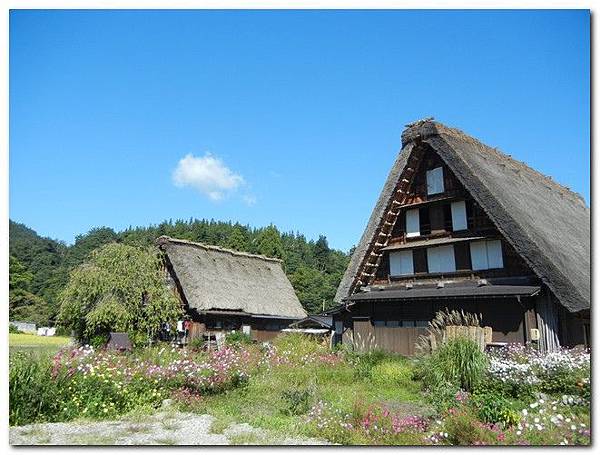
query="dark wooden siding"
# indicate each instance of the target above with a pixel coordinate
(506, 316)
(401, 340)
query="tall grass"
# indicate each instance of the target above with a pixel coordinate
(458, 362)
(33, 392)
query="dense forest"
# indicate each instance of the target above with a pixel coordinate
(39, 267)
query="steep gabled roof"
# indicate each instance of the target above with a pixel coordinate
(546, 223)
(214, 278)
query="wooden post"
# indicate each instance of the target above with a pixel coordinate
(488, 334)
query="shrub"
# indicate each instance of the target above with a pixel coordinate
(390, 372)
(296, 347)
(458, 362)
(99, 341)
(296, 401)
(461, 427)
(494, 408)
(237, 338)
(364, 363)
(443, 396)
(521, 371)
(196, 344)
(13, 329)
(33, 392)
(566, 381)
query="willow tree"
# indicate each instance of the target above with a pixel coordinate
(120, 289)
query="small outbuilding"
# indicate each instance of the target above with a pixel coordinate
(224, 290)
(316, 321)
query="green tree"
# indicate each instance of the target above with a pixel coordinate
(86, 243)
(312, 289)
(237, 239)
(43, 258)
(269, 243)
(120, 288)
(24, 305)
(19, 276)
(321, 250)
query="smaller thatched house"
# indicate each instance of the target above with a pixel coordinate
(224, 290)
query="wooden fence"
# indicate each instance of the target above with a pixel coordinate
(480, 335)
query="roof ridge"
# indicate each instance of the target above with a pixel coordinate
(163, 239)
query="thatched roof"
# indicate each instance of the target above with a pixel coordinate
(546, 223)
(214, 278)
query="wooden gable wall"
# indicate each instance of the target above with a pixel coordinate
(436, 222)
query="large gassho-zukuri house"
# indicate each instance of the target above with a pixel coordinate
(224, 290)
(460, 225)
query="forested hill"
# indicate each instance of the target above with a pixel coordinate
(39, 266)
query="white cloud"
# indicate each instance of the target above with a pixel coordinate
(208, 174)
(249, 200)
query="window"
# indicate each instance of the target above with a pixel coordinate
(379, 323)
(436, 217)
(462, 256)
(486, 254)
(459, 216)
(420, 260)
(435, 181)
(401, 263)
(412, 223)
(441, 259)
(339, 327)
(421, 323)
(392, 323)
(408, 323)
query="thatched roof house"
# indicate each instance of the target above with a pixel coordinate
(226, 288)
(543, 224)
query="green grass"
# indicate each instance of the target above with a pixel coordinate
(248, 439)
(165, 441)
(261, 402)
(31, 342)
(93, 440)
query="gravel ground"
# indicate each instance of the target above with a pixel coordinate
(164, 428)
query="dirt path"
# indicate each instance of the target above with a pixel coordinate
(164, 428)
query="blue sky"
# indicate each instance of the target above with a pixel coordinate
(122, 118)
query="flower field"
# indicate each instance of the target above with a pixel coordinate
(298, 386)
